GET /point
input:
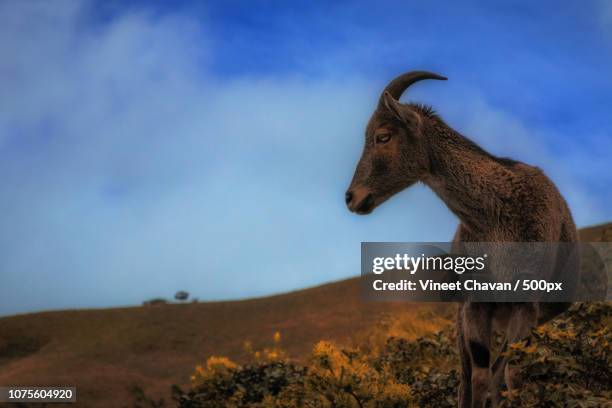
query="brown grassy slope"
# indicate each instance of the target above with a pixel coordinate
(597, 233)
(105, 352)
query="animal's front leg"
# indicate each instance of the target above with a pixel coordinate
(477, 330)
(523, 319)
(497, 373)
(465, 387)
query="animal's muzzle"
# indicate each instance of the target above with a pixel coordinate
(359, 201)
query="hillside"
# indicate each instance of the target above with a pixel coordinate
(106, 352)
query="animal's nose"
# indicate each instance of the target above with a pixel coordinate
(348, 197)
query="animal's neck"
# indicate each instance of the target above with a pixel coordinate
(469, 180)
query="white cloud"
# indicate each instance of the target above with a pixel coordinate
(130, 171)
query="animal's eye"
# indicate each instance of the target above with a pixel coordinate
(383, 138)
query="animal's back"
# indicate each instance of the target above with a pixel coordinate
(527, 208)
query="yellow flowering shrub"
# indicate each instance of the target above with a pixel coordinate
(567, 362)
(215, 366)
(347, 378)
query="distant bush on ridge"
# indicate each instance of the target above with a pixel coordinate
(181, 295)
(155, 301)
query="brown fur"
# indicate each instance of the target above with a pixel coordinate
(496, 200)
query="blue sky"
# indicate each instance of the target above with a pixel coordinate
(206, 146)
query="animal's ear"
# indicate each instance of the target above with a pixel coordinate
(395, 107)
(391, 104)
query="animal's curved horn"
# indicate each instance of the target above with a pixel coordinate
(397, 86)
